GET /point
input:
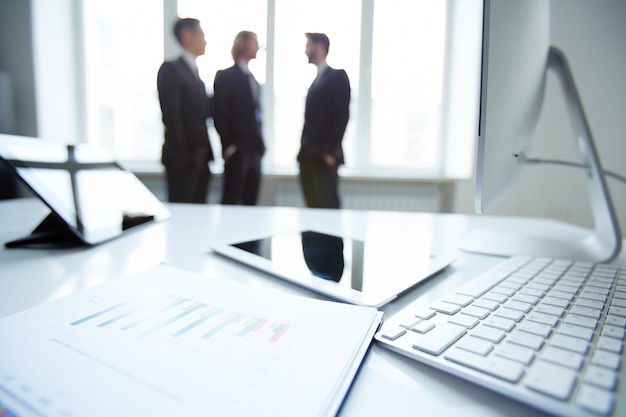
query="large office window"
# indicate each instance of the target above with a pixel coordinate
(394, 54)
(122, 50)
(407, 77)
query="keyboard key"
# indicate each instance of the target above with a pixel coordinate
(562, 357)
(532, 292)
(458, 299)
(518, 305)
(500, 323)
(550, 310)
(503, 290)
(464, 320)
(538, 329)
(595, 400)
(585, 312)
(439, 339)
(393, 332)
(543, 318)
(615, 321)
(606, 359)
(576, 331)
(618, 303)
(600, 377)
(551, 379)
(593, 296)
(569, 296)
(525, 298)
(512, 284)
(445, 308)
(508, 313)
(500, 298)
(609, 344)
(474, 345)
(488, 333)
(499, 367)
(422, 327)
(556, 302)
(516, 353)
(617, 311)
(581, 321)
(526, 339)
(475, 311)
(570, 343)
(598, 305)
(613, 331)
(488, 304)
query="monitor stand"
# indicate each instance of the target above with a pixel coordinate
(51, 233)
(604, 242)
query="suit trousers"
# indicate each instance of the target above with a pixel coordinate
(189, 184)
(319, 181)
(242, 178)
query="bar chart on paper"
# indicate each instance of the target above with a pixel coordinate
(170, 342)
(177, 316)
(208, 342)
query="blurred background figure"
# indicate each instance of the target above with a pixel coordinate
(326, 116)
(186, 107)
(238, 122)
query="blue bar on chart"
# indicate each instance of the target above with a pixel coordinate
(186, 311)
(177, 302)
(205, 316)
(228, 321)
(100, 313)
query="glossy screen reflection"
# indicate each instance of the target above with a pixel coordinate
(359, 265)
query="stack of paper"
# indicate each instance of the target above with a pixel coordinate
(170, 342)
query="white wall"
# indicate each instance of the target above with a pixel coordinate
(58, 79)
(592, 34)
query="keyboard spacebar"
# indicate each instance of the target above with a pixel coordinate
(483, 283)
(438, 339)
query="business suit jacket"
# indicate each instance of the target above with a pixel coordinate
(237, 113)
(185, 106)
(326, 115)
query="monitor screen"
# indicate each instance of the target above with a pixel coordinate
(516, 55)
(90, 196)
(516, 40)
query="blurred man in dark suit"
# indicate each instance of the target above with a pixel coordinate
(238, 121)
(325, 119)
(186, 106)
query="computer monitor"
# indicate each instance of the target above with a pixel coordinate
(516, 55)
(91, 198)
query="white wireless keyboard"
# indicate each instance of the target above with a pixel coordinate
(549, 333)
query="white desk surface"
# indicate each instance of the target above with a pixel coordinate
(387, 383)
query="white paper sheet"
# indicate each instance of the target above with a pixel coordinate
(170, 342)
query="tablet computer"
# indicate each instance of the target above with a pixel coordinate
(91, 198)
(350, 270)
